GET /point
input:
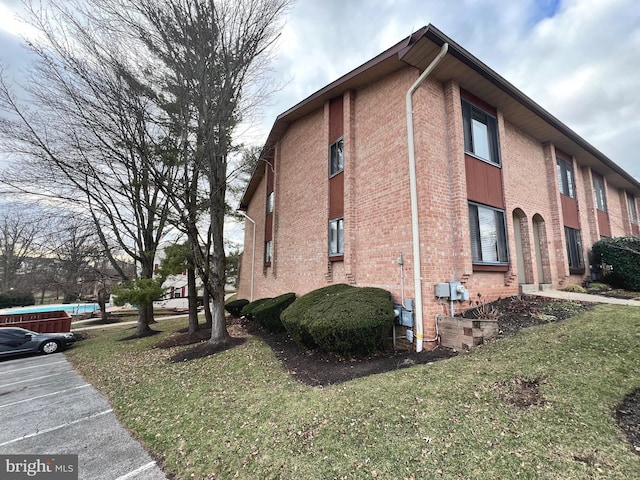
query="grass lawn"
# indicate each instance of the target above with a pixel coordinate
(238, 414)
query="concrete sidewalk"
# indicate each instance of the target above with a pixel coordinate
(584, 297)
(46, 407)
(118, 324)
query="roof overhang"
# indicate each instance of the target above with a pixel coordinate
(418, 50)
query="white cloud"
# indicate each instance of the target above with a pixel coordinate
(579, 59)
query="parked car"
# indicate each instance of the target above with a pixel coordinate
(20, 340)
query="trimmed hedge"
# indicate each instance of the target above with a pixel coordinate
(268, 313)
(16, 298)
(346, 320)
(235, 307)
(247, 310)
(623, 255)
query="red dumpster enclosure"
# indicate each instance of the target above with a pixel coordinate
(41, 322)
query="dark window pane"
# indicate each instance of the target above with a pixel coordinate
(336, 157)
(488, 235)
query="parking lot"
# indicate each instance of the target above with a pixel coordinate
(46, 407)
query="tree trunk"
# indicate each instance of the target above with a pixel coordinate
(193, 301)
(103, 297)
(219, 334)
(143, 329)
(206, 300)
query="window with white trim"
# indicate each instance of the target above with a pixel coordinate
(336, 237)
(488, 235)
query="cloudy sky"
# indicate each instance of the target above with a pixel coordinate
(579, 59)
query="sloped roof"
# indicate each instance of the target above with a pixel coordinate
(418, 50)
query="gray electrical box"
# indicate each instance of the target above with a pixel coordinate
(404, 315)
(451, 291)
(443, 290)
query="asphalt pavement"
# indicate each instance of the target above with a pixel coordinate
(46, 407)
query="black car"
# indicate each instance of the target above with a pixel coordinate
(19, 340)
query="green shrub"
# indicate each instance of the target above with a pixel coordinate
(575, 289)
(268, 313)
(598, 287)
(349, 321)
(623, 255)
(234, 307)
(312, 305)
(16, 298)
(247, 310)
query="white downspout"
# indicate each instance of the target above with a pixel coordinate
(417, 279)
(253, 252)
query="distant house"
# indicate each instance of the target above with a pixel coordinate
(176, 288)
(506, 199)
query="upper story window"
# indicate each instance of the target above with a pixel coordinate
(599, 193)
(566, 181)
(488, 235)
(480, 133)
(336, 157)
(270, 202)
(633, 212)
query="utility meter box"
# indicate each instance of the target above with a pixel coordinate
(456, 290)
(451, 291)
(404, 314)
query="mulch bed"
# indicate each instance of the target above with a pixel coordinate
(322, 369)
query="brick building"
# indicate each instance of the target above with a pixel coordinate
(505, 198)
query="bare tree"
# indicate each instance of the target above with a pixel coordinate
(19, 234)
(74, 245)
(207, 55)
(89, 135)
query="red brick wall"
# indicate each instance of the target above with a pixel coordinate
(377, 201)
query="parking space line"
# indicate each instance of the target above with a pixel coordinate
(45, 395)
(32, 379)
(53, 429)
(35, 366)
(138, 470)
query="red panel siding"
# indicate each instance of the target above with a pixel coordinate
(336, 196)
(570, 212)
(603, 223)
(484, 182)
(479, 103)
(336, 119)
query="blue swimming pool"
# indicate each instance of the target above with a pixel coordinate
(71, 308)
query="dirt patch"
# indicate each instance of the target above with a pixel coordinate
(204, 349)
(520, 392)
(628, 416)
(523, 311)
(319, 368)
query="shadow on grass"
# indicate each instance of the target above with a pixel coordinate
(135, 336)
(204, 349)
